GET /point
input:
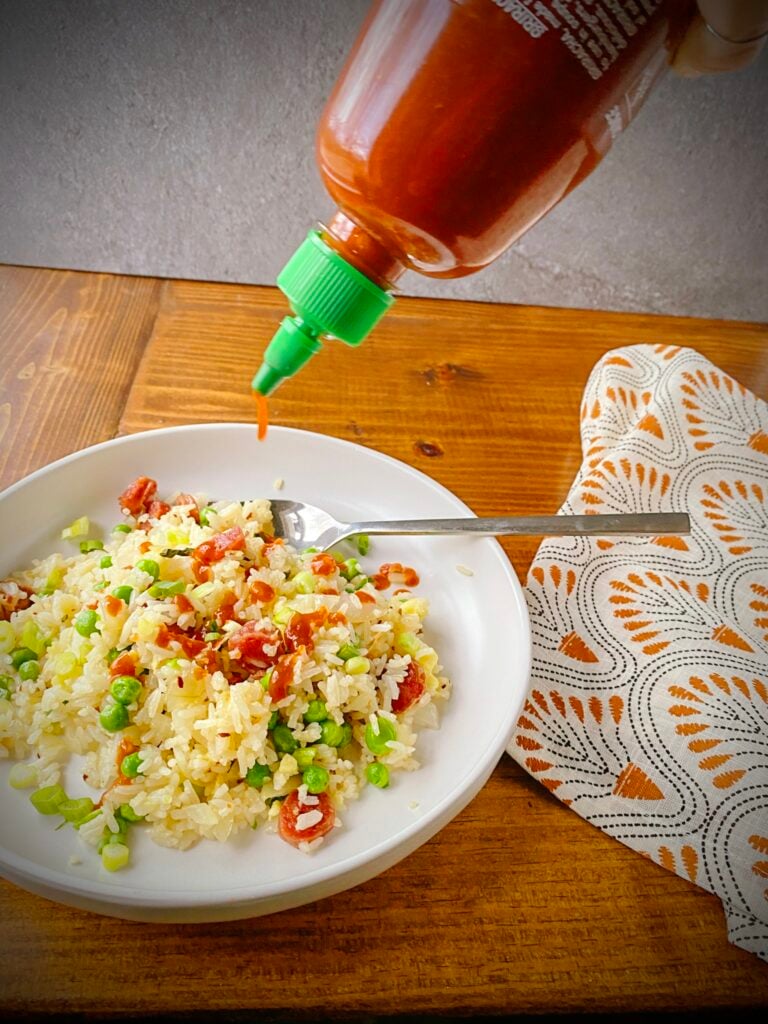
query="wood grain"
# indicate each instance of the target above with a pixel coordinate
(69, 347)
(518, 905)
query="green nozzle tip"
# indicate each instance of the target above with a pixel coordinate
(293, 345)
(267, 380)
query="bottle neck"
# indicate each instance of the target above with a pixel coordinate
(362, 250)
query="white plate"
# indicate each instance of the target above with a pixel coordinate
(478, 624)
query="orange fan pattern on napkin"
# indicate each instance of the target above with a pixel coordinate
(648, 707)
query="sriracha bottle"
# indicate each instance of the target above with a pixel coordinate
(454, 127)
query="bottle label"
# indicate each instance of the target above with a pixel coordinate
(595, 32)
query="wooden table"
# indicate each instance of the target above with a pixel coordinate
(518, 905)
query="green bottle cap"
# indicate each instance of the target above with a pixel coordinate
(328, 296)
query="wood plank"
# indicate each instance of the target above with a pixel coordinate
(518, 905)
(70, 345)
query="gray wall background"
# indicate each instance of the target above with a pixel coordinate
(176, 137)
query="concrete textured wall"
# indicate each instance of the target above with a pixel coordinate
(175, 138)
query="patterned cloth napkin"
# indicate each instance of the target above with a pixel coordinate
(648, 707)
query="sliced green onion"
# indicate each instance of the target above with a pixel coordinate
(86, 546)
(48, 799)
(350, 568)
(53, 581)
(105, 562)
(23, 776)
(75, 810)
(122, 528)
(7, 637)
(78, 528)
(115, 856)
(347, 651)
(205, 514)
(358, 666)
(32, 637)
(166, 588)
(6, 685)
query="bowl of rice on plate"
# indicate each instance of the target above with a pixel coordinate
(198, 722)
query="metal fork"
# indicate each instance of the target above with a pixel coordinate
(308, 526)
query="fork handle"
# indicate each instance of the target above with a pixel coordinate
(656, 523)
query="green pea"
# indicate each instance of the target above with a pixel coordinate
(362, 543)
(114, 717)
(29, 670)
(331, 733)
(377, 742)
(304, 757)
(6, 683)
(274, 718)
(123, 593)
(101, 586)
(125, 689)
(315, 779)
(112, 653)
(149, 566)
(377, 774)
(130, 766)
(75, 810)
(21, 654)
(87, 546)
(105, 562)
(257, 775)
(283, 739)
(347, 734)
(205, 515)
(316, 711)
(85, 622)
(48, 799)
(166, 588)
(347, 651)
(121, 528)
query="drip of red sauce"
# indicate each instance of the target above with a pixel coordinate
(323, 565)
(261, 592)
(282, 676)
(262, 415)
(381, 579)
(301, 630)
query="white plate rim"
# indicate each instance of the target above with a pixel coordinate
(252, 893)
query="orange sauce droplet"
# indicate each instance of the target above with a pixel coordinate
(262, 414)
